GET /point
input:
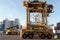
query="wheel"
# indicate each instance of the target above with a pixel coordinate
(9, 33)
(24, 36)
(49, 36)
(16, 34)
(30, 36)
(42, 36)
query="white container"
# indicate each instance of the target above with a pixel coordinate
(57, 31)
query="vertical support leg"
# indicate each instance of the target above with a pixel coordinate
(28, 17)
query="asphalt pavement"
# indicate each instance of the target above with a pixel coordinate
(17, 37)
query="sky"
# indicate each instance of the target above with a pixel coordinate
(12, 9)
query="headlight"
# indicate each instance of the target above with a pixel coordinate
(6, 32)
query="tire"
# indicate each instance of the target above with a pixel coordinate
(30, 36)
(9, 33)
(16, 34)
(49, 36)
(42, 36)
(24, 36)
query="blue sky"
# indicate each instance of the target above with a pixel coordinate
(12, 9)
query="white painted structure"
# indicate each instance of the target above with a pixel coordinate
(7, 23)
(52, 27)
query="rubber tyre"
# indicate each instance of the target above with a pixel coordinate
(42, 36)
(16, 34)
(49, 36)
(9, 33)
(24, 36)
(30, 36)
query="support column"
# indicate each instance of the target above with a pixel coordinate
(27, 16)
(43, 21)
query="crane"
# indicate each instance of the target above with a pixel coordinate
(41, 29)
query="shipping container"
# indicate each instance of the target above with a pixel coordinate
(58, 24)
